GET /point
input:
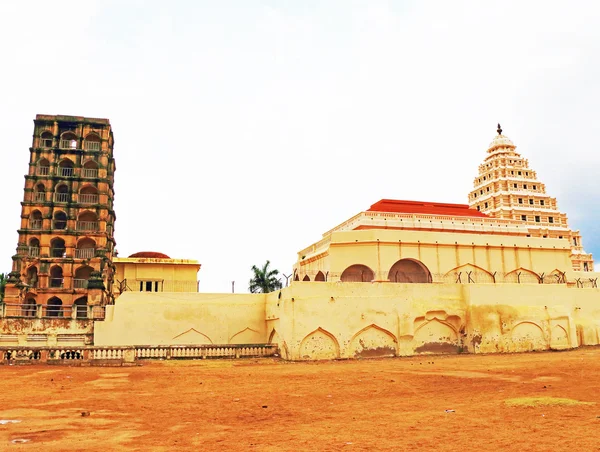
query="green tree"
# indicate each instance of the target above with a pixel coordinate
(264, 279)
(3, 281)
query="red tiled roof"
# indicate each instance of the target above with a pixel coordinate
(150, 254)
(426, 208)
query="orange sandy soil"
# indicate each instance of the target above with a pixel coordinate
(267, 405)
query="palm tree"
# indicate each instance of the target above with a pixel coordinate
(3, 281)
(264, 280)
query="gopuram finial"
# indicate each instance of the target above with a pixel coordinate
(499, 129)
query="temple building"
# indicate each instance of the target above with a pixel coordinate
(504, 273)
(506, 188)
(66, 238)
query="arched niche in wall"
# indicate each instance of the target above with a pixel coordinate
(320, 344)
(409, 271)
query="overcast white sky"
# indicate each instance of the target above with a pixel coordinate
(245, 129)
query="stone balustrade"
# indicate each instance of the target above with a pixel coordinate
(130, 354)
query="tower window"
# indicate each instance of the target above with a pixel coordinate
(487, 189)
(531, 201)
(515, 185)
(541, 202)
(486, 204)
(524, 217)
(524, 186)
(46, 140)
(520, 200)
(535, 187)
(550, 219)
(478, 208)
(519, 173)
(537, 219)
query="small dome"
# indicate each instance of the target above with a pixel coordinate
(501, 141)
(150, 254)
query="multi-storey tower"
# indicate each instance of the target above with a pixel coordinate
(507, 188)
(66, 239)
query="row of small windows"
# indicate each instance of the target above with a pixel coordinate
(69, 140)
(55, 308)
(86, 221)
(537, 219)
(87, 194)
(66, 168)
(85, 248)
(57, 280)
(487, 189)
(532, 201)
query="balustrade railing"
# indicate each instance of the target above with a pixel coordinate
(90, 172)
(91, 145)
(88, 198)
(39, 196)
(54, 311)
(87, 225)
(65, 171)
(33, 251)
(35, 224)
(68, 144)
(43, 170)
(85, 253)
(62, 197)
(80, 283)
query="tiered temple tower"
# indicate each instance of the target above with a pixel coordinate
(507, 188)
(66, 239)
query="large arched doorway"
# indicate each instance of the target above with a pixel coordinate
(357, 273)
(409, 271)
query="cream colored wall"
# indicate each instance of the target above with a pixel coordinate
(347, 320)
(326, 320)
(150, 318)
(440, 252)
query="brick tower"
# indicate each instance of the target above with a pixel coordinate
(63, 263)
(507, 188)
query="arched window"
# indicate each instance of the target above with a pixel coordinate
(88, 195)
(39, 193)
(34, 247)
(68, 140)
(54, 307)
(46, 140)
(29, 307)
(90, 169)
(57, 247)
(357, 273)
(320, 276)
(409, 271)
(35, 220)
(43, 167)
(60, 220)
(62, 194)
(65, 168)
(86, 249)
(87, 221)
(80, 307)
(32, 276)
(92, 142)
(306, 278)
(82, 275)
(56, 276)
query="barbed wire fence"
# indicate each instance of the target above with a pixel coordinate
(454, 277)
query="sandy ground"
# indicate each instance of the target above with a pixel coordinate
(266, 405)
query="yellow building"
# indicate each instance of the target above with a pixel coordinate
(154, 272)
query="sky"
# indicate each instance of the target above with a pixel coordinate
(245, 129)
